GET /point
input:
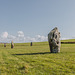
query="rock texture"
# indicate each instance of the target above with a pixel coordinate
(54, 40)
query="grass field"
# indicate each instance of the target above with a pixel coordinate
(37, 60)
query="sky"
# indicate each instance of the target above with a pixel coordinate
(32, 20)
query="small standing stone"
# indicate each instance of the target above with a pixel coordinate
(31, 44)
(12, 44)
(4, 44)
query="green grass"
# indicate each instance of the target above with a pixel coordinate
(24, 59)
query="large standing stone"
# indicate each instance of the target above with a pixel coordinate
(12, 44)
(54, 40)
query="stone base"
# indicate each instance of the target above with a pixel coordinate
(55, 51)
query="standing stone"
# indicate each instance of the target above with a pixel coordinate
(4, 44)
(31, 44)
(12, 44)
(54, 40)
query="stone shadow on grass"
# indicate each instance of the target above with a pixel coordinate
(33, 53)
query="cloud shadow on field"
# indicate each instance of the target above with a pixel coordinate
(33, 53)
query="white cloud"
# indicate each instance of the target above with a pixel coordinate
(20, 38)
(4, 35)
(65, 38)
(11, 37)
(29, 39)
(20, 34)
(41, 38)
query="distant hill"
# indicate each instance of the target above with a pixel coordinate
(69, 40)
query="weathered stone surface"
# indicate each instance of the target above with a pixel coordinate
(54, 40)
(12, 44)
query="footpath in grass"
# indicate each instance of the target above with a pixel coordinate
(37, 60)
